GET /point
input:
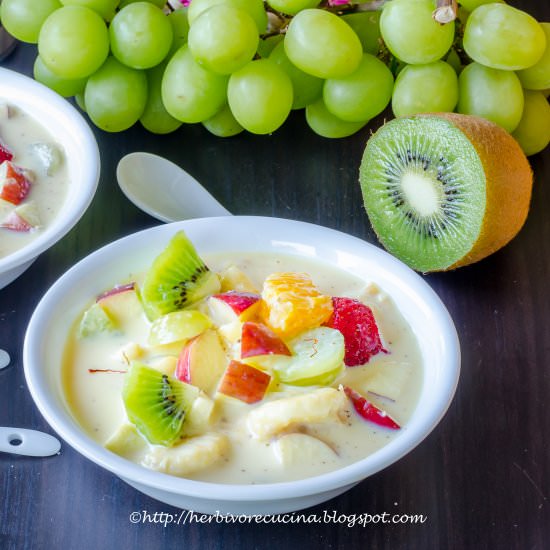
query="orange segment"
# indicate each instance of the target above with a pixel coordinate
(292, 303)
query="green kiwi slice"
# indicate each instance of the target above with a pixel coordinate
(156, 404)
(177, 279)
(424, 189)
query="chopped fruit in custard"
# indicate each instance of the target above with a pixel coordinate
(257, 339)
(5, 153)
(370, 412)
(24, 218)
(177, 326)
(202, 361)
(244, 382)
(121, 303)
(229, 306)
(234, 279)
(14, 185)
(293, 303)
(356, 322)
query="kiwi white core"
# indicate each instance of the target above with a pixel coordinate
(421, 193)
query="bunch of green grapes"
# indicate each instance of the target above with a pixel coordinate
(246, 64)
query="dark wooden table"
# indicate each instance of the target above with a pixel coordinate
(481, 478)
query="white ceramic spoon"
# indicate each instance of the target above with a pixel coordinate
(164, 190)
(28, 442)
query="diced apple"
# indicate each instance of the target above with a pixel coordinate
(48, 156)
(244, 382)
(127, 442)
(202, 361)
(231, 306)
(24, 218)
(5, 153)
(388, 379)
(299, 449)
(232, 278)
(166, 365)
(200, 416)
(94, 321)
(258, 339)
(121, 303)
(14, 186)
(366, 410)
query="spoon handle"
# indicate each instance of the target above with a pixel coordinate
(24, 442)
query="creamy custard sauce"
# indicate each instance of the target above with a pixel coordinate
(31, 144)
(391, 381)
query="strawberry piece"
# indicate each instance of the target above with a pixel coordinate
(15, 222)
(356, 322)
(5, 153)
(14, 186)
(257, 339)
(370, 412)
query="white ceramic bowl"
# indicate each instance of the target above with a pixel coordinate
(430, 321)
(71, 131)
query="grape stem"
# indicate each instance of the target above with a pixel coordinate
(445, 11)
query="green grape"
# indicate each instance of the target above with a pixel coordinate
(321, 44)
(80, 101)
(155, 117)
(503, 37)
(115, 96)
(411, 34)
(363, 94)
(223, 123)
(325, 124)
(157, 3)
(260, 96)
(367, 27)
(141, 35)
(105, 8)
(180, 29)
(267, 45)
(223, 39)
(306, 88)
(62, 86)
(490, 93)
(24, 18)
(254, 8)
(292, 7)
(73, 42)
(471, 5)
(430, 88)
(533, 130)
(537, 77)
(190, 92)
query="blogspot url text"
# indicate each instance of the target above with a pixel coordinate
(188, 517)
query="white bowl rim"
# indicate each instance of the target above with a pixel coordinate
(345, 476)
(60, 226)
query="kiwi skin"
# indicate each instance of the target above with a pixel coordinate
(509, 184)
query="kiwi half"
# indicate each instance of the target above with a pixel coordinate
(156, 404)
(444, 190)
(177, 279)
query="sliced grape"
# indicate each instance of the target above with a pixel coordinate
(177, 326)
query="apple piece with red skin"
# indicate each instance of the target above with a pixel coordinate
(244, 382)
(121, 303)
(14, 185)
(370, 412)
(232, 305)
(202, 361)
(5, 153)
(258, 339)
(23, 218)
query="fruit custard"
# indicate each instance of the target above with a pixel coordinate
(33, 179)
(243, 373)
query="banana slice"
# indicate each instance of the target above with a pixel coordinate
(320, 405)
(197, 453)
(298, 449)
